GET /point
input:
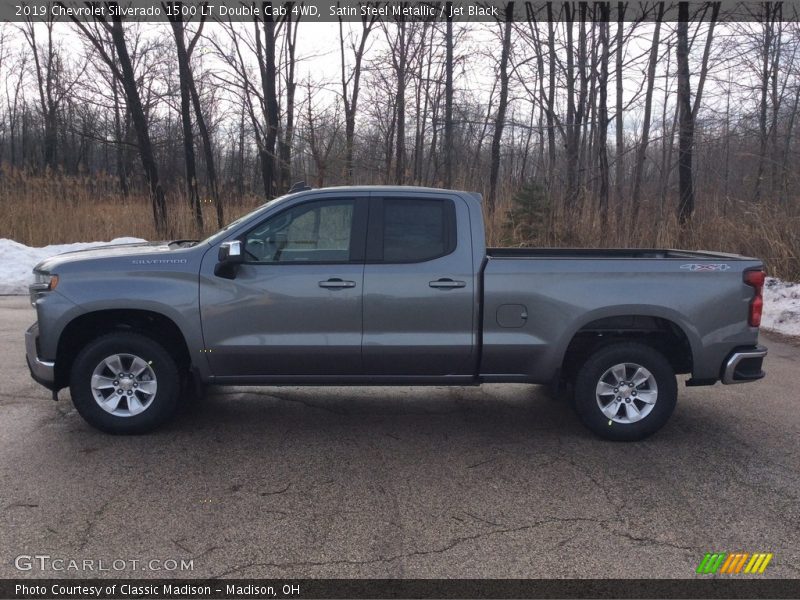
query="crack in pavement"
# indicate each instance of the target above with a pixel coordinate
(650, 540)
(276, 492)
(90, 525)
(416, 553)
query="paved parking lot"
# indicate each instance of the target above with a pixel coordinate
(496, 481)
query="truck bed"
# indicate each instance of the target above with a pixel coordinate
(607, 253)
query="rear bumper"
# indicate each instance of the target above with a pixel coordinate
(42, 371)
(743, 365)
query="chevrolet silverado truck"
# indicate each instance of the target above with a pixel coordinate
(389, 286)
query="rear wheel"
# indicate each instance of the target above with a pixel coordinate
(625, 391)
(124, 383)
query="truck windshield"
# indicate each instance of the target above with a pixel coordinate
(214, 237)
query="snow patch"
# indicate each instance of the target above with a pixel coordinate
(781, 306)
(17, 260)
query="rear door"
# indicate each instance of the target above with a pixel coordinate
(295, 306)
(419, 287)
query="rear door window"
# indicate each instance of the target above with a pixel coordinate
(417, 230)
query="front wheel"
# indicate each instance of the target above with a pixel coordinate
(124, 383)
(625, 391)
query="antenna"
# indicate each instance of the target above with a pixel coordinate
(300, 186)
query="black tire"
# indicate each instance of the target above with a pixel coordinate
(160, 408)
(588, 378)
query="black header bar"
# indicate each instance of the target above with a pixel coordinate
(397, 588)
(389, 11)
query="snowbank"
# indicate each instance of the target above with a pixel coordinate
(781, 306)
(781, 298)
(17, 260)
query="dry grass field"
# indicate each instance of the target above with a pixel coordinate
(40, 210)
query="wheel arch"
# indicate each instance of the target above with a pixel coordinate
(658, 331)
(89, 326)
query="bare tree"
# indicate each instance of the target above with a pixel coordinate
(351, 86)
(502, 106)
(448, 98)
(120, 136)
(51, 84)
(576, 103)
(686, 130)
(184, 75)
(13, 100)
(205, 135)
(122, 68)
(688, 109)
(770, 59)
(602, 114)
(322, 130)
(641, 154)
(619, 123)
(285, 144)
(403, 44)
(265, 51)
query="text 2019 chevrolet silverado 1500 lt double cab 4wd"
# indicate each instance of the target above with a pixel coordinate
(389, 285)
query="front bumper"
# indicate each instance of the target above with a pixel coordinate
(42, 371)
(743, 365)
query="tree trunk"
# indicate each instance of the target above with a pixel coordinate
(602, 116)
(502, 106)
(400, 107)
(766, 50)
(619, 133)
(240, 157)
(574, 109)
(448, 99)
(422, 98)
(266, 62)
(641, 154)
(192, 191)
(140, 125)
(122, 176)
(291, 86)
(686, 129)
(46, 76)
(350, 99)
(776, 99)
(208, 152)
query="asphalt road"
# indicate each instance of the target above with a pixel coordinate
(496, 481)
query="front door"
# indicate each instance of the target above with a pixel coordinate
(295, 305)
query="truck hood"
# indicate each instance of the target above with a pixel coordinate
(147, 250)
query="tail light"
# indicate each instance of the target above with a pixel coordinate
(755, 279)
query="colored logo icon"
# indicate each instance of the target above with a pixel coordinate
(734, 564)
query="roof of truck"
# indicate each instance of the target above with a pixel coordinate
(301, 187)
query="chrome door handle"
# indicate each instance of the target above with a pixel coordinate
(337, 284)
(446, 283)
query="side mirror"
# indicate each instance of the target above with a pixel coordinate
(231, 252)
(230, 256)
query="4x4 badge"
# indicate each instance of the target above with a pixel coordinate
(706, 267)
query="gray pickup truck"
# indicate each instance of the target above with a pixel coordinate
(388, 286)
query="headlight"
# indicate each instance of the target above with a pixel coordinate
(42, 282)
(45, 282)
